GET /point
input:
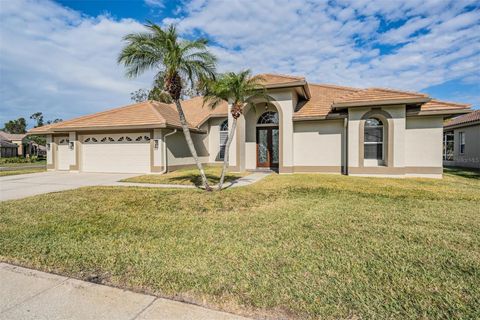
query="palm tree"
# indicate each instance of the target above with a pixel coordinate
(241, 89)
(176, 62)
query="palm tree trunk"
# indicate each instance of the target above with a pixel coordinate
(190, 144)
(227, 149)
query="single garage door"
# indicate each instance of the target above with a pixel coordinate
(63, 153)
(129, 153)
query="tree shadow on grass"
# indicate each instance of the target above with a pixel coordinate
(469, 173)
(197, 180)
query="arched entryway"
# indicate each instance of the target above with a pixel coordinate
(268, 136)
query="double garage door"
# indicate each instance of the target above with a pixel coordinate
(128, 153)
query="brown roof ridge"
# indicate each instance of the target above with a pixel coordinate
(282, 75)
(152, 103)
(396, 90)
(335, 86)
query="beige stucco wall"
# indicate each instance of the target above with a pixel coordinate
(179, 153)
(471, 157)
(158, 156)
(318, 143)
(49, 140)
(423, 142)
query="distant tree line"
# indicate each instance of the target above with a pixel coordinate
(19, 126)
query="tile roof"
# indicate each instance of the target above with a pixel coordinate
(278, 79)
(11, 136)
(464, 119)
(147, 113)
(443, 105)
(374, 95)
(197, 113)
(322, 102)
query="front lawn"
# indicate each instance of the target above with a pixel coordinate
(292, 246)
(187, 176)
(21, 171)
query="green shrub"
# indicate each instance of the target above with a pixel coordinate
(32, 159)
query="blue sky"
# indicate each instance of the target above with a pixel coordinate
(59, 57)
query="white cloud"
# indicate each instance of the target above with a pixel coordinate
(340, 41)
(155, 3)
(62, 63)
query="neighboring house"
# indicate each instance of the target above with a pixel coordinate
(8, 149)
(15, 139)
(461, 141)
(304, 127)
(24, 148)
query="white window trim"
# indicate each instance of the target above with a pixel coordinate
(224, 142)
(375, 162)
(461, 139)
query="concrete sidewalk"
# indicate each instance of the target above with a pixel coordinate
(30, 294)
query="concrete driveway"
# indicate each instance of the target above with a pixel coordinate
(25, 185)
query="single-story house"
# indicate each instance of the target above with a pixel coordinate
(16, 139)
(461, 141)
(304, 127)
(23, 147)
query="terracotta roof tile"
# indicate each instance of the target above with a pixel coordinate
(464, 119)
(197, 113)
(443, 105)
(273, 79)
(320, 103)
(377, 94)
(11, 136)
(141, 114)
(323, 98)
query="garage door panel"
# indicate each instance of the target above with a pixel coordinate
(128, 153)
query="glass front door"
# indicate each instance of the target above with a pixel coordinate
(267, 147)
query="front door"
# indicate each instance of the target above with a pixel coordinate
(267, 147)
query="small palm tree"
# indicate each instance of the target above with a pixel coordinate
(176, 62)
(241, 89)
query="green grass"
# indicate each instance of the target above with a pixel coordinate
(187, 176)
(292, 246)
(21, 171)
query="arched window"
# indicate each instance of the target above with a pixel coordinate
(269, 117)
(223, 139)
(373, 139)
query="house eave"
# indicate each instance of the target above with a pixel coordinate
(294, 84)
(323, 117)
(379, 102)
(445, 112)
(113, 128)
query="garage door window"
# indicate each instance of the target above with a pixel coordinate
(108, 139)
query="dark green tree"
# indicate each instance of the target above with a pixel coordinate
(38, 118)
(16, 126)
